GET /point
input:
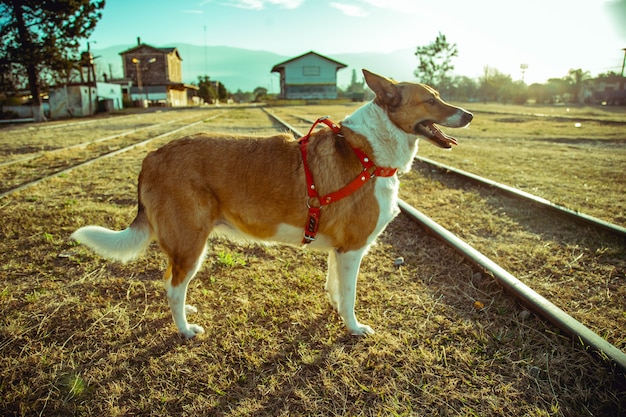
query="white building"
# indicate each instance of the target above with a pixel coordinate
(79, 100)
(111, 95)
(308, 76)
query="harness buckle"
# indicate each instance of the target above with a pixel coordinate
(308, 203)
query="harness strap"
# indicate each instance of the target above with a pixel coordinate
(370, 170)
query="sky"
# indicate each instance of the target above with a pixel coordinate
(549, 36)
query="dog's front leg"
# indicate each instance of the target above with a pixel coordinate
(347, 267)
(332, 281)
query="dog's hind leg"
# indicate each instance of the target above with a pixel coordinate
(348, 264)
(177, 278)
(182, 224)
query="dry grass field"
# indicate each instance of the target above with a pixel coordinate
(83, 336)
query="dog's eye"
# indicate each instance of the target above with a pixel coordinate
(432, 101)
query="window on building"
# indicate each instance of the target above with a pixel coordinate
(311, 70)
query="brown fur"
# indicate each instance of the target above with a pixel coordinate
(184, 191)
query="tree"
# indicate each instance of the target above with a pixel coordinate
(206, 91)
(211, 91)
(436, 63)
(356, 86)
(463, 88)
(222, 92)
(356, 89)
(40, 35)
(243, 96)
(260, 94)
(542, 93)
(493, 85)
(577, 77)
(513, 92)
(560, 88)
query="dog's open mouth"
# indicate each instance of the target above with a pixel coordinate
(435, 135)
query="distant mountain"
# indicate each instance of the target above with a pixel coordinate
(243, 69)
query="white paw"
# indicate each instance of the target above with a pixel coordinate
(190, 309)
(192, 331)
(361, 330)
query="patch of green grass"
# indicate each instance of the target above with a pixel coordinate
(230, 259)
(74, 387)
(5, 293)
(35, 295)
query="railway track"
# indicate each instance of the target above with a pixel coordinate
(31, 170)
(527, 197)
(87, 143)
(65, 124)
(18, 143)
(588, 339)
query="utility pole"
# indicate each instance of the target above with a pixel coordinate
(206, 65)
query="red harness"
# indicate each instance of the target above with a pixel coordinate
(370, 170)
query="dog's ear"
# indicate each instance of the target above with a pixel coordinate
(387, 91)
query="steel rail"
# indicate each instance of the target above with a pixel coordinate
(564, 118)
(87, 143)
(285, 124)
(542, 202)
(43, 126)
(101, 157)
(589, 340)
(531, 299)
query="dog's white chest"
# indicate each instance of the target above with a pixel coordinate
(386, 193)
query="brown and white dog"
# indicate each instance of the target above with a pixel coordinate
(255, 189)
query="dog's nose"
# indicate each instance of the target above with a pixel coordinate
(467, 117)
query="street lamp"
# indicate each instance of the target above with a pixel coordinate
(139, 70)
(523, 68)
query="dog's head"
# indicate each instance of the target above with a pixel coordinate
(417, 108)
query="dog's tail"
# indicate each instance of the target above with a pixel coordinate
(123, 245)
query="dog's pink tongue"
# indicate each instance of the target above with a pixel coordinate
(442, 136)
